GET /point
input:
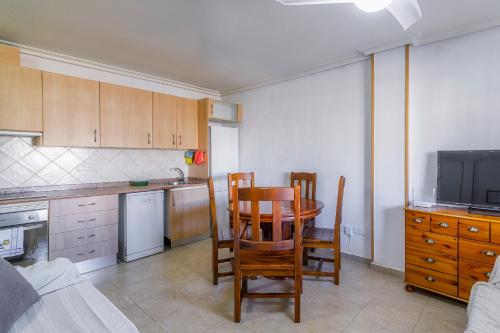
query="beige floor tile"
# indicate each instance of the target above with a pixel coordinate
(137, 316)
(152, 328)
(194, 317)
(173, 292)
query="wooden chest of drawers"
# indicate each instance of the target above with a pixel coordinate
(84, 228)
(448, 249)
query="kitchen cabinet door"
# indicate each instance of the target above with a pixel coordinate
(164, 121)
(126, 117)
(70, 111)
(188, 215)
(20, 98)
(187, 123)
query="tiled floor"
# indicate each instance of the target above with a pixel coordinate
(172, 292)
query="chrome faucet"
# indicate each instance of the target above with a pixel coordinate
(181, 174)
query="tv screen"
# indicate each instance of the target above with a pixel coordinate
(469, 178)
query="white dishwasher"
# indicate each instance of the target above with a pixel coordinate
(141, 225)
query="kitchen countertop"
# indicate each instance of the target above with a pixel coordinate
(19, 195)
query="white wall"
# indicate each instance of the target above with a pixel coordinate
(389, 159)
(454, 101)
(319, 123)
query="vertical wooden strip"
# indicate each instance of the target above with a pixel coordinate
(407, 121)
(255, 221)
(277, 231)
(308, 183)
(372, 171)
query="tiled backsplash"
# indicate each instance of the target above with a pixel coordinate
(24, 165)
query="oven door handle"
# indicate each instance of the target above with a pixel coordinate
(34, 226)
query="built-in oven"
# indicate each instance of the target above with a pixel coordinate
(24, 232)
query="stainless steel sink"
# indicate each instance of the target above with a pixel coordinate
(186, 182)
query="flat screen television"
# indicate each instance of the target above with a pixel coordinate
(470, 178)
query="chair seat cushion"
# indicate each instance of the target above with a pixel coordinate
(322, 235)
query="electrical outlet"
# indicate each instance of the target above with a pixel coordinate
(359, 231)
(348, 229)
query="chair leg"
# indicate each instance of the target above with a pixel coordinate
(337, 266)
(215, 264)
(305, 258)
(245, 284)
(237, 296)
(298, 292)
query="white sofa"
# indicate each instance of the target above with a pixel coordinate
(484, 305)
(68, 303)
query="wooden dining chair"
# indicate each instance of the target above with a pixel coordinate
(222, 239)
(276, 257)
(307, 183)
(314, 238)
(240, 179)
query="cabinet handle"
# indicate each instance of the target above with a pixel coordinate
(489, 253)
(487, 274)
(430, 260)
(430, 241)
(80, 254)
(180, 140)
(149, 138)
(80, 237)
(83, 221)
(95, 135)
(89, 236)
(473, 229)
(443, 225)
(90, 204)
(91, 251)
(430, 279)
(173, 139)
(211, 109)
(418, 221)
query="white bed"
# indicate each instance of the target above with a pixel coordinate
(69, 303)
(484, 305)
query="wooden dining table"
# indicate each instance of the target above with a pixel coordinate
(309, 209)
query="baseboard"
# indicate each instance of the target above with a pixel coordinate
(387, 270)
(354, 257)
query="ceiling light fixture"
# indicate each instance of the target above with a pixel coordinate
(407, 12)
(371, 6)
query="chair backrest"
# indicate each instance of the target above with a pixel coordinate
(240, 179)
(213, 210)
(340, 202)
(310, 183)
(276, 196)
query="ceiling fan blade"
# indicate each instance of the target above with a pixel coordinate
(407, 12)
(312, 2)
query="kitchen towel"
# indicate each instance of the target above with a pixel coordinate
(188, 156)
(199, 157)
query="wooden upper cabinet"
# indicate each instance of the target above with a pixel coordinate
(70, 111)
(187, 123)
(10, 55)
(20, 98)
(164, 121)
(126, 117)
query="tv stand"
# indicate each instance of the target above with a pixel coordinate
(448, 249)
(481, 210)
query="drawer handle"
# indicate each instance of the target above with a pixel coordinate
(473, 229)
(91, 251)
(93, 235)
(430, 241)
(430, 260)
(488, 274)
(83, 221)
(418, 221)
(443, 225)
(430, 279)
(489, 253)
(80, 254)
(90, 204)
(80, 237)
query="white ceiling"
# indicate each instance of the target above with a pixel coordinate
(224, 44)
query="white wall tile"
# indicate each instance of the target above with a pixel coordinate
(24, 165)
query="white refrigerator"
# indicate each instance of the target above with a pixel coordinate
(223, 160)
